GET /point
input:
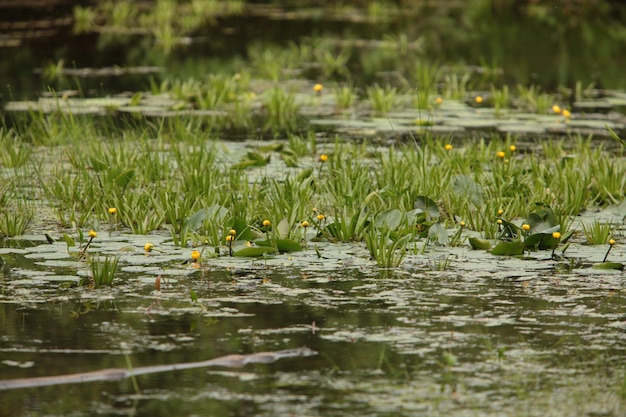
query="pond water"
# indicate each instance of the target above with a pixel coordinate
(453, 332)
(503, 337)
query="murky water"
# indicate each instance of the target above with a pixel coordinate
(477, 339)
(486, 336)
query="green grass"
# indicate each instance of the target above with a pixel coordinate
(102, 270)
(159, 173)
(598, 233)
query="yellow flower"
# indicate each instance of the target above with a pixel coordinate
(92, 234)
(500, 154)
(556, 235)
(566, 113)
(499, 221)
(195, 255)
(448, 147)
(323, 157)
(229, 238)
(148, 247)
(112, 210)
(438, 100)
(478, 99)
(462, 223)
(556, 109)
(266, 223)
(304, 224)
(232, 232)
(512, 148)
(611, 242)
(320, 217)
(525, 227)
(500, 212)
(318, 88)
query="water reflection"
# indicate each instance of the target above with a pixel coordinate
(448, 334)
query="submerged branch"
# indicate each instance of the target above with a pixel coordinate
(117, 374)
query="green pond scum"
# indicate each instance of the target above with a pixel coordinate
(430, 196)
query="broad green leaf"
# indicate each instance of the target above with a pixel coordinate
(427, 206)
(508, 229)
(609, 265)
(195, 220)
(533, 241)
(242, 228)
(391, 219)
(438, 233)
(283, 228)
(255, 251)
(217, 213)
(478, 243)
(548, 241)
(509, 248)
(287, 245)
(465, 186)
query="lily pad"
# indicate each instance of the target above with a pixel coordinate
(478, 243)
(609, 265)
(255, 251)
(515, 248)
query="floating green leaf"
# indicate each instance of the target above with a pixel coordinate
(509, 248)
(255, 251)
(609, 265)
(287, 245)
(478, 243)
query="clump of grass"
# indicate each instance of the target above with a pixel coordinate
(84, 19)
(15, 221)
(500, 98)
(388, 249)
(281, 109)
(333, 64)
(15, 152)
(440, 263)
(102, 270)
(344, 97)
(597, 233)
(382, 99)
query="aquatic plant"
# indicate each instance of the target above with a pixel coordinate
(102, 270)
(382, 99)
(440, 263)
(598, 233)
(281, 109)
(500, 98)
(388, 249)
(15, 152)
(611, 243)
(345, 97)
(333, 64)
(84, 19)
(15, 219)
